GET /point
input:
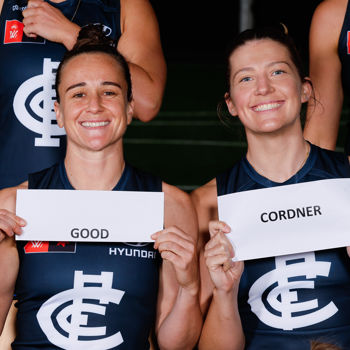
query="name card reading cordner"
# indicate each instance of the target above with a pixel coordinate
(289, 214)
(90, 216)
(288, 219)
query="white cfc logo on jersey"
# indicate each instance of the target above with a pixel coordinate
(284, 297)
(78, 312)
(33, 105)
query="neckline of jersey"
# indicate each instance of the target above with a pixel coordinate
(120, 186)
(264, 181)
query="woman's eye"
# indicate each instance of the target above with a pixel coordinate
(78, 95)
(245, 79)
(278, 72)
(109, 93)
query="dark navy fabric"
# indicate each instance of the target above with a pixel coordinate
(344, 49)
(285, 302)
(30, 139)
(63, 273)
(344, 56)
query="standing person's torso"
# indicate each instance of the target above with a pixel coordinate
(87, 295)
(287, 301)
(30, 139)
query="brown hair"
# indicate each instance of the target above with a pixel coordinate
(316, 345)
(92, 39)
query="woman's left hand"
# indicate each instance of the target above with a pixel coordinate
(179, 248)
(41, 18)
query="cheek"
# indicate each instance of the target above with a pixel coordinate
(239, 98)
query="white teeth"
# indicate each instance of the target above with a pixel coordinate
(266, 107)
(94, 124)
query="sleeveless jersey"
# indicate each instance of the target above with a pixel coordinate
(87, 295)
(344, 56)
(30, 139)
(287, 301)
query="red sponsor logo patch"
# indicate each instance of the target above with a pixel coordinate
(36, 247)
(49, 247)
(13, 32)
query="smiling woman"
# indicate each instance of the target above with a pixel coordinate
(266, 303)
(159, 287)
(96, 110)
(265, 88)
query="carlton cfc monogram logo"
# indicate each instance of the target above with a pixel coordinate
(33, 105)
(284, 297)
(71, 321)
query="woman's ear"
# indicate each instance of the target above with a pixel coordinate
(306, 90)
(129, 111)
(59, 115)
(230, 106)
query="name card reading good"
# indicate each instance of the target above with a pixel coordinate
(90, 216)
(288, 219)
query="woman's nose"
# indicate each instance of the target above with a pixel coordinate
(95, 104)
(263, 85)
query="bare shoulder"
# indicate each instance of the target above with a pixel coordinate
(329, 10)
(136, 10)
(178, 209)
(175, 196)
(204, 198)
(328, 19)
(8, 196)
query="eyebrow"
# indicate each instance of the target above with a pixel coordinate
(248, 69)
(84, 84)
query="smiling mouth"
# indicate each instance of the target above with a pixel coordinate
(94, 124)
(266, 107)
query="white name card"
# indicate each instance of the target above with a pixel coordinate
(288, 219)
(90, 216)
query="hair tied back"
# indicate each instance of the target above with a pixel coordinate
(285, 29)
(93, 35)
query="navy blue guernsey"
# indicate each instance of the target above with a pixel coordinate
(344, 50)
(287, 301)
(30, 139)
(344, 56)
(87, 295)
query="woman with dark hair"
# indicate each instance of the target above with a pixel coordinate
(266, 88)
(95, 106)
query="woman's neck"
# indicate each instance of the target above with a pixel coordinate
(278, 157)
(88, 170)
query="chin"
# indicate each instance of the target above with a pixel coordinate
(96, 145)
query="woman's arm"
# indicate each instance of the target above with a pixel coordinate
(223, 317)
(9, 331)
(179, 319)
(323, 115)
(41, 18)
(140, 45)
(9, 261)
(219, 277)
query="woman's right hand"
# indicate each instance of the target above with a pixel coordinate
(218, 254)
(10, 224)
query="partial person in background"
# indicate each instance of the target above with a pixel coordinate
(160, 289)
(266, 303)
(35, 35)
(329, 45)
(316, 345)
